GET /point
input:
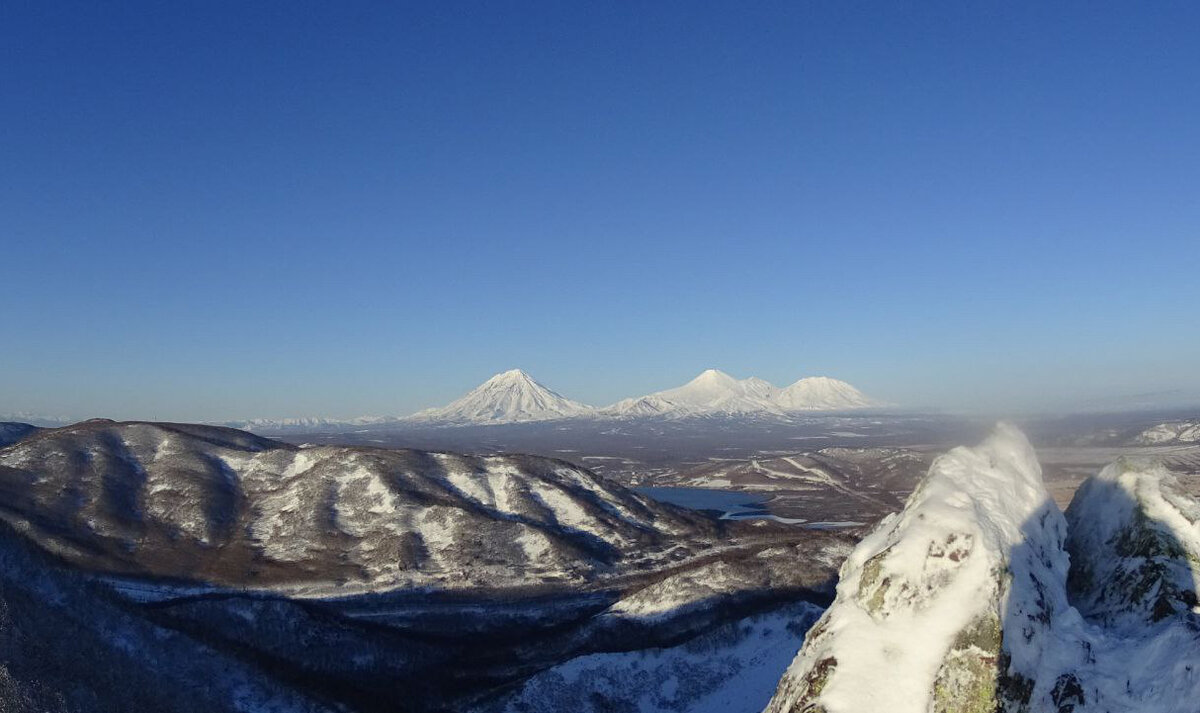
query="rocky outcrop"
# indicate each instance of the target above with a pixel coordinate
(1134, 545)
(961, 602)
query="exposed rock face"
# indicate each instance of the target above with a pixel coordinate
(960, 602)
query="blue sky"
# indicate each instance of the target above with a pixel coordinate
(222, 209)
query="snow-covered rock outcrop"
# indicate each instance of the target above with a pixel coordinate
(960, 602)
(1135, 546)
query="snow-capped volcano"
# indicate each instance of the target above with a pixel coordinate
(515, 397)
(509, 397)
(714, 392)
(821, 393)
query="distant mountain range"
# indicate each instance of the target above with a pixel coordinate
(516, 397)
(714, 392)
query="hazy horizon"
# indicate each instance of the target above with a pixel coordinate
(219, 213)
(1161, 401)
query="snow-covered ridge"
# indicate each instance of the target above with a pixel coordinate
(1179, 432)
(161, 498)
(961, 601)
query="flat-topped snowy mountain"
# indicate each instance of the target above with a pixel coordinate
(715, 393)
(712, 392)
(509, 397)
(821, 393)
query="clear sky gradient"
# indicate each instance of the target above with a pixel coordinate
(218, 210)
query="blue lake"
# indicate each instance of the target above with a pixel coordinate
(729, 503)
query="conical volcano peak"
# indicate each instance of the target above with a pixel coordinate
(511, 376)
(713, 375)
(511, 396)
